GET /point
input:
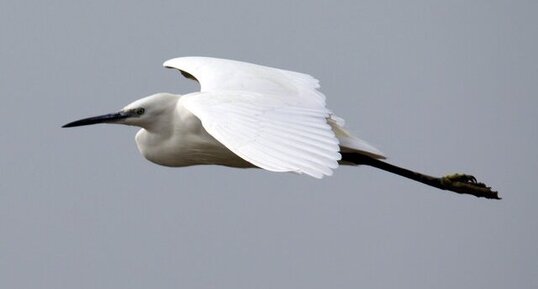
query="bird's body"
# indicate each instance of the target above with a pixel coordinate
(247, 115)
(184, 141)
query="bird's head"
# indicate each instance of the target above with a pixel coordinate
(144, 112)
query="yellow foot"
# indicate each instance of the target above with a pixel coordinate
(467, 184)
(462, 178)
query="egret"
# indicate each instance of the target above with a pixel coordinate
(247, 115)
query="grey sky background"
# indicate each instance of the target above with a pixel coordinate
(439, 86)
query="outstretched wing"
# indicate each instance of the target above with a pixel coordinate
(216, 74)
(273, 118)
(268, 132)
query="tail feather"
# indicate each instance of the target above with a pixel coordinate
(350, 143)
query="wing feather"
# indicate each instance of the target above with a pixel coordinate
(270, 134)
(309, 145)
(215, 74)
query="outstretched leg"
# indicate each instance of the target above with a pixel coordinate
(459, 183)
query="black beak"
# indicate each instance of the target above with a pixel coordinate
(106, 118)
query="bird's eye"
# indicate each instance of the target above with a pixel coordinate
(140, 111)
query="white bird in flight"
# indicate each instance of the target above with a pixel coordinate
(248, 115)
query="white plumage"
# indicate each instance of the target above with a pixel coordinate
(244, 115)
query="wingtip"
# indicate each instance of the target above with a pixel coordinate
(172, 62)
(167, 63)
